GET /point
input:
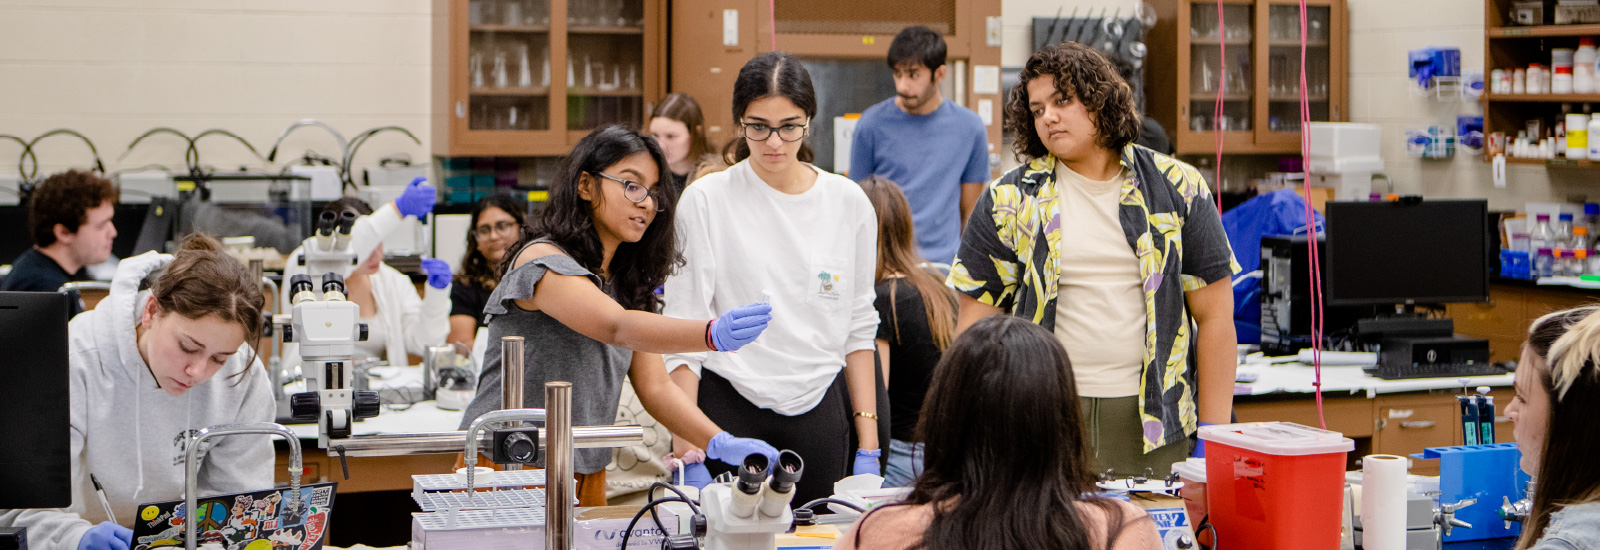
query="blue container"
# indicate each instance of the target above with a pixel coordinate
(1516, 264)
(1489, 473)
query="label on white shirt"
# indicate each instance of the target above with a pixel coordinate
(1100, 316)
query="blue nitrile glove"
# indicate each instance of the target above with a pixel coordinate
(867, 462)
(1200, 444)
(732, 450)
(740, 326)
(418, 199)
(106, 536)
(696, 475)
(438, 272)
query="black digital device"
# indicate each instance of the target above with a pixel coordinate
(35, 402)
(1408, 252)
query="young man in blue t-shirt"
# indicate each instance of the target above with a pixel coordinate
(937, 151)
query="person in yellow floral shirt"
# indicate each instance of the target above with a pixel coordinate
(1119, 250)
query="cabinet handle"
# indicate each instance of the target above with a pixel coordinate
(1417, 424)
(1378, 424)
(1401, 413)
(1183, 112)
(461, 109)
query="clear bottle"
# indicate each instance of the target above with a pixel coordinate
(1544, 263)
(1580, 263)
(1594, 263)
(1558, 262)
(1562, 228)
(1591, 215)
(1541, 237)
(1580, 238)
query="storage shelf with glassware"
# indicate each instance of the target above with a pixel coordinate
(1540, 95)
(1259, 79)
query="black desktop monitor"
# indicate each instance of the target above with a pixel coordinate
(35, 461)
(1408, 252)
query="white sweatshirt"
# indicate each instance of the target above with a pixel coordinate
(814, 254)
(410, 324)
(131, 435)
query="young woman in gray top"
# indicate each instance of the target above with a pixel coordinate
(581, 288)
(1558, 391)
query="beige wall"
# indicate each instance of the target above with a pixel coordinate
(112, 69)
(1381, 31)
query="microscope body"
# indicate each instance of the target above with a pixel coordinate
(749, 514)
(327, 326)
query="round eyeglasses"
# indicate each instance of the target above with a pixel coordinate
(636, 192)
(762, 132)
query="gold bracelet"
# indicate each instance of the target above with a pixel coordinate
(867, 415)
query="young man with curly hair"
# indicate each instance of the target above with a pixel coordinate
(1119, 250)
(69, 218)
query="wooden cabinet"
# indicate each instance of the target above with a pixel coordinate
(1511, 308)
(1509, 46)
(1250, 52)
(532, 77)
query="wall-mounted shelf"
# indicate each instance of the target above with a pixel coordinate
(509, 28)
(1538, 31)
(1544, 98)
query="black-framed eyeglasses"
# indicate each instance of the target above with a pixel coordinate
(503, 227)
(636, 192)
(761, 132)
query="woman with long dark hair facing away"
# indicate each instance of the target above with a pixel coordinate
(496, 223)
(1558, 393)
(1007, 464)
(774, 225)
(916, 321)
(144, 365)
(581, 289)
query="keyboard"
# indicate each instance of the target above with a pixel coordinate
(1435, 370)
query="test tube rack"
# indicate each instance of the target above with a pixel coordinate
(512, 497)
(1487, 473)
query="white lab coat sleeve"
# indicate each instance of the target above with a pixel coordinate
(61, 528)
(863, 315)
(372, 229)
(241, 463)
(690, 291)
(426, 320)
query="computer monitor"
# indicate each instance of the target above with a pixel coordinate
(35, 402)
(1408, 252)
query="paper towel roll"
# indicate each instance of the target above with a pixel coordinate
(1383, 502)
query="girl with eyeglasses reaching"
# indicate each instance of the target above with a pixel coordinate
(580, 287)
(774, 225)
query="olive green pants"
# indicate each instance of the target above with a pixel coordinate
(1116, 442)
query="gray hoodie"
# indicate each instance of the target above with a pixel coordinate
(131, 435)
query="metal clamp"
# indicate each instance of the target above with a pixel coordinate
(192, 459)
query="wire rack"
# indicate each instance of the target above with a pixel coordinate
(480, 500)
(504, 478)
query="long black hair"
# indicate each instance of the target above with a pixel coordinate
(770, 74)
(1007, 464)
(475, 267)
(1568, 343)
(568, 219)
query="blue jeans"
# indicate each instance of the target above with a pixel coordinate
(905, 463)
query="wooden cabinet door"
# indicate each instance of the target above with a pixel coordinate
(1277, 69)
(1215, 54)
(1410, 423)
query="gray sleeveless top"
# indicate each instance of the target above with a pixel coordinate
(551, 352)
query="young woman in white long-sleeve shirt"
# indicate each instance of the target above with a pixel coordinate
(144, 377)
(774, 224)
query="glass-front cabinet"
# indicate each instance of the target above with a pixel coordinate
(1237, 72)
(531, 77)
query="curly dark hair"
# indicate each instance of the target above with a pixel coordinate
(66, 199)
(568, 220)
(1080, 73)
(475, 267)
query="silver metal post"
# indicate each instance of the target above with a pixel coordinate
(192, 459)
(501, 417)
(511, 378)
(406, 444)
(558, 464)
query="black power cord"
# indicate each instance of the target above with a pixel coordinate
(648, 507)
(826, 500)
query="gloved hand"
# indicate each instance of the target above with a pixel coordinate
(438, 272)
(732, 450)
(418, 199)
(739, 326)
(696, 475)
(867, 462)
(1200, 444)
(106, 536)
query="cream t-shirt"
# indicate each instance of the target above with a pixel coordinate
(1100, 316)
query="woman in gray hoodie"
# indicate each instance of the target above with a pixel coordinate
(142, 367)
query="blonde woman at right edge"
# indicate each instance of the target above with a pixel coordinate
(1558, 392)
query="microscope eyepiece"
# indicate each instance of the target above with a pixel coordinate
(326, 223)
(788, 471)
(752, 474)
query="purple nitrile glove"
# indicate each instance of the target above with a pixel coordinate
(106, 536)
(867, 462)
(733, 450)
(418, 199)
(1200, 444)
(740, 326)
(438, 272)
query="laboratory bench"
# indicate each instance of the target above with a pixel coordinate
(1398, 417)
